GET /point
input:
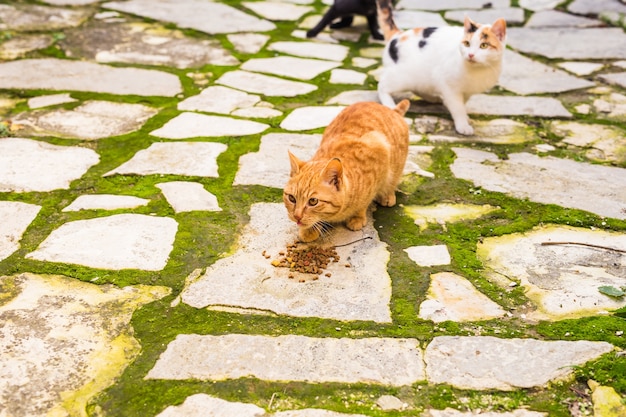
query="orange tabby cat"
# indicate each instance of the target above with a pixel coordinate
(360, 160)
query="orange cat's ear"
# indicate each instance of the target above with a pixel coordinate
(333, 173)
(499, 29)
(469, 25)
(295, 164)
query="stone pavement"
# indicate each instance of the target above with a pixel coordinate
(142, 158)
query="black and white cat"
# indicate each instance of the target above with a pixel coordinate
(345, 10)
(445, 64)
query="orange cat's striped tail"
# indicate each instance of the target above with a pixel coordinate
(385, 18)
(402, 107)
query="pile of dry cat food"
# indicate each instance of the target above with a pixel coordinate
(305, 259)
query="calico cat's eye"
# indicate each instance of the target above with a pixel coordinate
(291, 198)
(466, 44)
(484, 45)
(313, 201)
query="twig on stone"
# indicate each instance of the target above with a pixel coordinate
(584, 244)
(353, 242)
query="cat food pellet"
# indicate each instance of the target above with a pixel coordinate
(347, 265)
(307, 260)
(328, 274)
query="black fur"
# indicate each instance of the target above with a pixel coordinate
(428, 31)
(393, 49)
(345, 10)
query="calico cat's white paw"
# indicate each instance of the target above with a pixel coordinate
(464, 129)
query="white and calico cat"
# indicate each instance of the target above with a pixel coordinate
(440, 64)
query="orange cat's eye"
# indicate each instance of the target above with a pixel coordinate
(291, 198)
(484, 45)
(466, 44)
(313, 201)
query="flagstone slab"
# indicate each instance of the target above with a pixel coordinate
(15, 217)
(144, 44)
(219, 99)
(310, 117)
(561, 280)
(512, 15)
(538, 5)
(581, 68)
(450, 4)
(525, 76)
(344, 76)
(29, 17)
(547, 180)
(602, 143)
(92, 120)
(121, 241)
(191, 125)
(502, 131)
(264, 84)
(208, 17)
(588, 43)
(387, 361)
(105, 202)
(86, 76)
(451, 297)
(586, 7)
(50, 100)
(64, 341)
(485, 362)
(359, 287)
(248, 43)
(354, 96)
(188, 196)
(556, 18)
(451, 412)
(20, 45)
(287, 66)
(516, 106)
(325, 51)
(409, 19)
(29, 165)
(270, 166)
(275, 10)
(180, 158)
(446, 213)
(618, 78)
(429, 255)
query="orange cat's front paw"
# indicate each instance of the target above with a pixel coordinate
(308, 235)
(356, 222)
(387, 201)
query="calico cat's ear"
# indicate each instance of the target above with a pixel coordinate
(333, 173)
(499, 29)
(469, 25)
(295, 164)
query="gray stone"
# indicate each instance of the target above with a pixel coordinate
(180, 158)
(451, 412)
(86, 76)
(307, 118)
(264, 84)
(616, 78)
(27, 17)
(218, 99)
(446, 213)
(581, 68)
(546, 180)
(105, 202)
(388, 361)
(203, 405)
(429, 255)
(555, 18)
(270, 165)
(208, 17)
(190, 125)
(122, 241)
(539, 5)
(20, 45)
(64, 339)
(317, 50)
(572, 44)
(512, 15)
(15, 217)
(450, 4)
(247, 278)
(561, 280)
(500, 131)
(257, 112)
(343, 76)
(524, 76)
(299, 68)
(389, 402)
(409, 19)
(248, 43)
(586, 7)
(602, 143)
(353, 96)
(50, 100)
(28, 165)
(277, 10)
(91, 120)
(451, 297)
(186, 196)
(485, 362)
(145, 44)
(516, 106)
